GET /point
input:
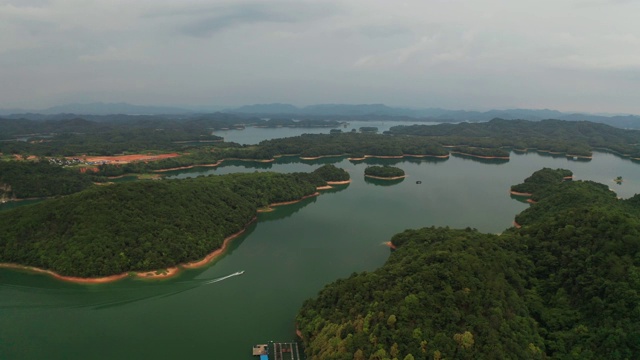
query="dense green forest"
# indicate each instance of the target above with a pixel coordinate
(29, 179)
(121, 133)
(307, 145)
(76, 136)
(576, 138)
(542, 182)
(195, 140)
(329, 172)
(310, 145)
(481, 152)
(383, 171)
(566, 285)
(141, 225)
(115, 134)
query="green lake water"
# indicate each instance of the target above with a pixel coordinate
(288, 255)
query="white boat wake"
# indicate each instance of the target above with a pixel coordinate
(225, 277)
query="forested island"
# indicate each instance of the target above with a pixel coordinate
(115, 134)
(564, 285)
(570, 138)
(194, 144)
(143, 226)
(384, 172)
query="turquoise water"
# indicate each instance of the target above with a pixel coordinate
(288, 255)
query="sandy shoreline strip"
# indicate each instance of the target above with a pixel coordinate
(73, 279)
(213, 164)
(294, 201)
(518, 226)
(270, 208)
(159, 274)
(339, 182)
(326, 187)
(386, 178)
(519, 193)
(153, 274)
(189, 167)
(207, 259)
(482, 156)
(318, 157)
(390, 244)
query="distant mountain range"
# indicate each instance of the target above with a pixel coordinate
(432, 114)
(361, 112)
(100, 108)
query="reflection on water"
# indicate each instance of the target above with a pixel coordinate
(382, 182)
(481, 160)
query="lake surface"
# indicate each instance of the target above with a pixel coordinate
(288, 256)
(253, 135)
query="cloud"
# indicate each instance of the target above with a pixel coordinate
(205, 20)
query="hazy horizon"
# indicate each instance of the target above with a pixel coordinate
(573, 56)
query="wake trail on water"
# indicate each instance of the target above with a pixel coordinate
(225, 277)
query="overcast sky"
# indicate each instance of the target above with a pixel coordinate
(569, 55)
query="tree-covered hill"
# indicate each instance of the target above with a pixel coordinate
(28, 179)
(564, 286)
(331, 173)
(383, 171)
(578, 138)
(542, 182)
(142, 225)
(310, 145)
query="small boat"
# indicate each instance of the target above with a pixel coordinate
(418, 182)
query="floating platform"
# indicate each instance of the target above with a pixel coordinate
(278, 351)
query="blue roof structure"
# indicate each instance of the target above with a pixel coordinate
(264, 357)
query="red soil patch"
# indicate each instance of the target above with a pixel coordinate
(125, 159)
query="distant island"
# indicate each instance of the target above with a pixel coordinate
(384, 172)
(172, 144)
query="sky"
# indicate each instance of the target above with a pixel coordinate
(568, 55)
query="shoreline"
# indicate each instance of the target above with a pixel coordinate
(158, 274)
(218, 163)
(295, 201)
(520, 193)
(269, 208)
(482, 156)
(344, 182)
(146, 275)
(214, 254)
(74, 279)
(516, 225)
(390, 245)
(189, 167)
(317, 157)
(386, 178)
(326, 187)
